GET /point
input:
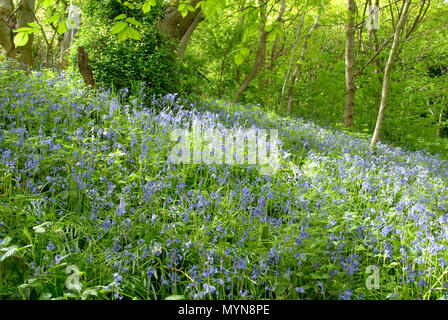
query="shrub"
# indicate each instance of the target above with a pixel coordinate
(148, 62)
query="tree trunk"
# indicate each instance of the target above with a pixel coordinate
(66, 42)
(180, 28)
(6, 8)
(260, 56)
(293, 55)
(350, 89)
(273, 53)
(439, 122)
(295, 74)
(241, 22)
(73, 13)
(223, 66)
(25, 15)
(84, 67)
(262, 59)
(375, 44)
(186, 37)
(387, 70)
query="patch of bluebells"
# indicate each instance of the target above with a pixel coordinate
(212, 230)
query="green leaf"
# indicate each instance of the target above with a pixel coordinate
(48, 3)
(120, 17)
(271, 36)
(133, 21)
(199, 4)
(53, 18)
(62, 28)
(209, 8)
(279, 31)
(175, 297)
(70, 295)
(34, 26)
(239, 59)
(89, 292)
(118, 27)
(123, 34)
(244, 51)
(146, 7)
(320, 276)
(45, 296)
(134, 34)
(7, 239)
(27, 30)
(21, 39)
(129, 5)
(9, 252)
(269, 28)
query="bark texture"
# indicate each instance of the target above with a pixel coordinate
(350, 89)
(180, 28)
(84, 67)
(293, 55)
(6, 39)
(186, 37)
(260, 57)
(387, 70)
(295, 74)
(25, 15)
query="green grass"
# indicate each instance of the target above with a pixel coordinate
(85, 185)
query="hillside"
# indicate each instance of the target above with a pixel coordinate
(86, 185)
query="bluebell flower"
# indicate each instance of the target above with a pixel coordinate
(50, 246)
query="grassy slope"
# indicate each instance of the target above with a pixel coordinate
(85, 182)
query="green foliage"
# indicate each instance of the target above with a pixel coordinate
(146, 59)
(91, 209)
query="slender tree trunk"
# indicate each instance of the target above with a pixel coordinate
(25, 15)
(273, 53)
(350, 89)
(75, 14)
(387, 70)
(241, 22)
(418, 20)
(186, 37)
(223, 66)
(260, 56)
(261, 52)
(360, 42)
(439, 123)
(257, 64)
(293, 55)
(180, 28)
(295, 74)
(65, 43)
(375, 44)
(6, 9)
(375, 47)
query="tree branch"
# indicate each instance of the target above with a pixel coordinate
(374, 56)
